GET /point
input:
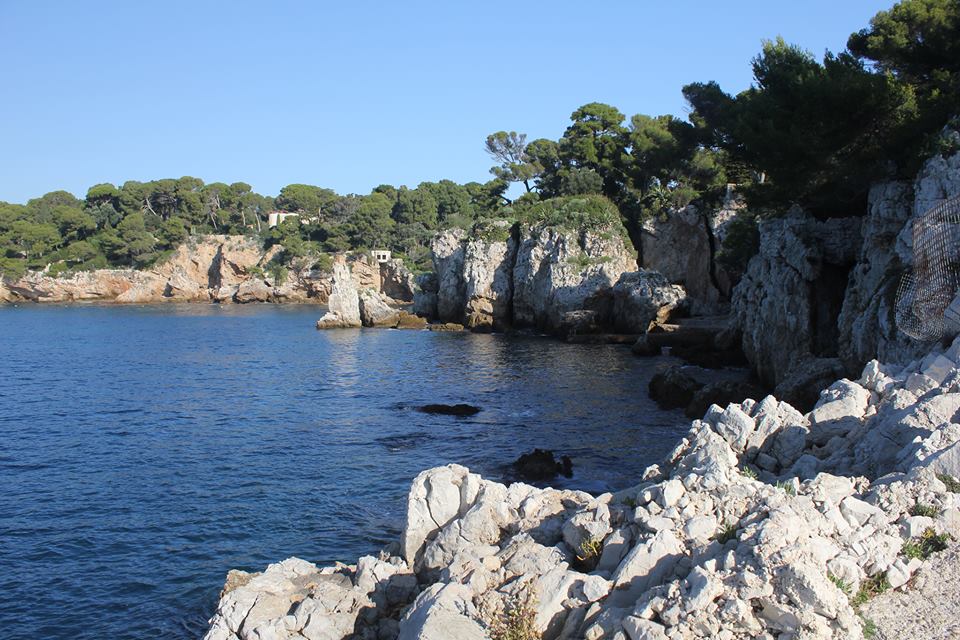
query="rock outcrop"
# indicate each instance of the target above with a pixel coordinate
(682, 247)
(374, 310)
(818, 299)
(343, 305)
(763, 522)
(396, 281)
(788, 301)
(559, 271)
(540, 276)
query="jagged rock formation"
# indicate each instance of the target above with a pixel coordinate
(209, 268)
(538, 276)
(343, 304)
(683, 246)
(817, 301)
(396, 281)
(706, 545)
(788, 301)
(559, 271)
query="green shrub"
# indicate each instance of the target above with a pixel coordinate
(927, 510)
(489, 231)
(574, 212)
(787, 487)
(869, 588)
(869, 627)
(840, 583)
(748, 472)
(728, 533)
(518, 621)
(741, 243)
(926, 545)
(953, 486)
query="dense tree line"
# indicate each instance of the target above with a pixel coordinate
(809, 131)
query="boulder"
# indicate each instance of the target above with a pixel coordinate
(642, 299)
(722, 393)
(673, 388)
(253, 290)
(540, 465)
(374, 310)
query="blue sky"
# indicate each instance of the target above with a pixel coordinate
(349, 95)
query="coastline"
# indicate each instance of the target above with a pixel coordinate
(748, 527)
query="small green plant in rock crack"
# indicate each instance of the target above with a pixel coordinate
(869, 626)
(787, 487)
(728, 533)
(926, 545)
(953, 485)
(927, 510)
(869, 588)
(841, 584)
(630, 501)
(589, 552)
(748, 473)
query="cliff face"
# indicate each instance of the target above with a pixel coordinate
(818, 299)
(683, 248)
(212, 268)
(559, 271)
(528, 276)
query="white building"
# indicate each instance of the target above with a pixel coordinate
(380, 255)
(276, 217)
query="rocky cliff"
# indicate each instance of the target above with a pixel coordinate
(214, 268)
(817, 301)
(683, 246)
(541, 276)
(763, 522)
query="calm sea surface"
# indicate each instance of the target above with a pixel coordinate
(144, 451)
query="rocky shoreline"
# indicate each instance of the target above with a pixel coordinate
(215, 268)
(762, 523)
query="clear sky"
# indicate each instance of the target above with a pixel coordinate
(349, 95)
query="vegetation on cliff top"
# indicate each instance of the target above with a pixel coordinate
(814, 132)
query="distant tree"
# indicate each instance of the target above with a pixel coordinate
(416, 206)
(509, 149)
(73, 223)
(306, 198)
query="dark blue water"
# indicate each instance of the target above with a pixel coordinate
(144, 451)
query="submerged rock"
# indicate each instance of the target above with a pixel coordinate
(673, 388)
(540, 465)
(450, 409)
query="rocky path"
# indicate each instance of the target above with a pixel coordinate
(927, 607)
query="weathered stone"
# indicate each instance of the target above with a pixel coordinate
(642, 299)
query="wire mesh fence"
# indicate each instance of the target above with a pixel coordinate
(927, 306)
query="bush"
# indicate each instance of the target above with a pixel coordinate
(953, 486)
(741, 243)
(574, 212)
(926, 545)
